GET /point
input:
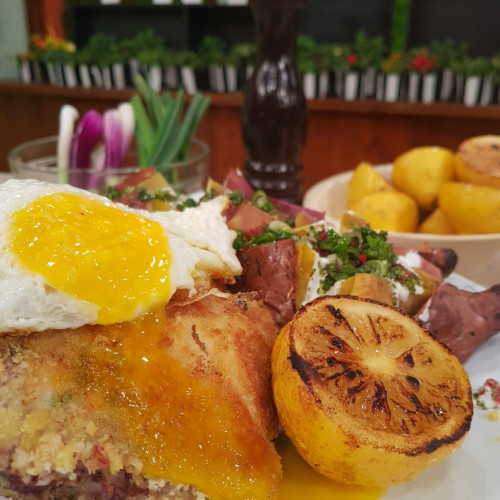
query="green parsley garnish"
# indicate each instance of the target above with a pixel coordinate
(236, 197)
(359, 251)
(268, 235)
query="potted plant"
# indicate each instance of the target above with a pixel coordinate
(245, 54)
(472, 71)
(153, 61)
(448, 51)
(118, 56)
(29, 66)
(306, 51)
(488, 87)
(336, 57)
(231, 64)
(23, 63)
(130, 47)
(392, 68)
(351, 84)
(68, 61)
(422, 81)
(369, 54)
(106, 59)
(495, 65)
(29, 62)
(99, 52)
(188, 62)
(53, 59)
(82, 65)
(211, 52)
(323, 64)
(55, 52)
(171, 73)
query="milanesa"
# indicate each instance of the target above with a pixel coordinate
(176, 404)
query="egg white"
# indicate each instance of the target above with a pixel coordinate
(197, 237)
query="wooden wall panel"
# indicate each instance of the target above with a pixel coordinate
(340, 134)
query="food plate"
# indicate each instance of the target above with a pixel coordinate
(479, 254)
(472, 471)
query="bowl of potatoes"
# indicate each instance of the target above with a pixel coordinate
(429, 196)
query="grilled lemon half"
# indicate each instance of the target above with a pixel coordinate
(365, 394)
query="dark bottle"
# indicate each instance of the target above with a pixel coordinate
(274, 117)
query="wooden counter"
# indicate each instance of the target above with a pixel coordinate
(340, 133)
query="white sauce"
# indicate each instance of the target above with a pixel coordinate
(313, 286)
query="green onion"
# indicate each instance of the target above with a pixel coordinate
(163, 133)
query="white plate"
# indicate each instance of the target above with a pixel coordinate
(472, 471)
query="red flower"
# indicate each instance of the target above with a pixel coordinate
(422, 63)
(352, 59)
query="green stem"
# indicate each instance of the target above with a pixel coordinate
(400, 15)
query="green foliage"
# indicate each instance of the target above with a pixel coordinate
(369, 51)
(101, 49)
(337, 57)
(449, 51)
(144, 40)
(475, 66)
(243, 54)
(212, 50)
(58, 56)
(306, 50)
(495, 66)
(156, 56)
(394, 63)
(400, 15)
(188, 58)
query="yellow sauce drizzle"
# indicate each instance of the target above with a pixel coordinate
(184, 428)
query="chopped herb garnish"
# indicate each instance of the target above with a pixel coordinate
(188, 203)
(260, 200)
(268, 235)
(360, 251)
(236, 197)
(210, 194)
(112, 193)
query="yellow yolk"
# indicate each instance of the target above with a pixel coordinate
(94, 252)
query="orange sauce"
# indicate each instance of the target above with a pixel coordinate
(182, 427)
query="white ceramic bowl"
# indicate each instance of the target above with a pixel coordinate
(478, 255)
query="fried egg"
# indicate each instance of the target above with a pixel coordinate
(69, 257)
